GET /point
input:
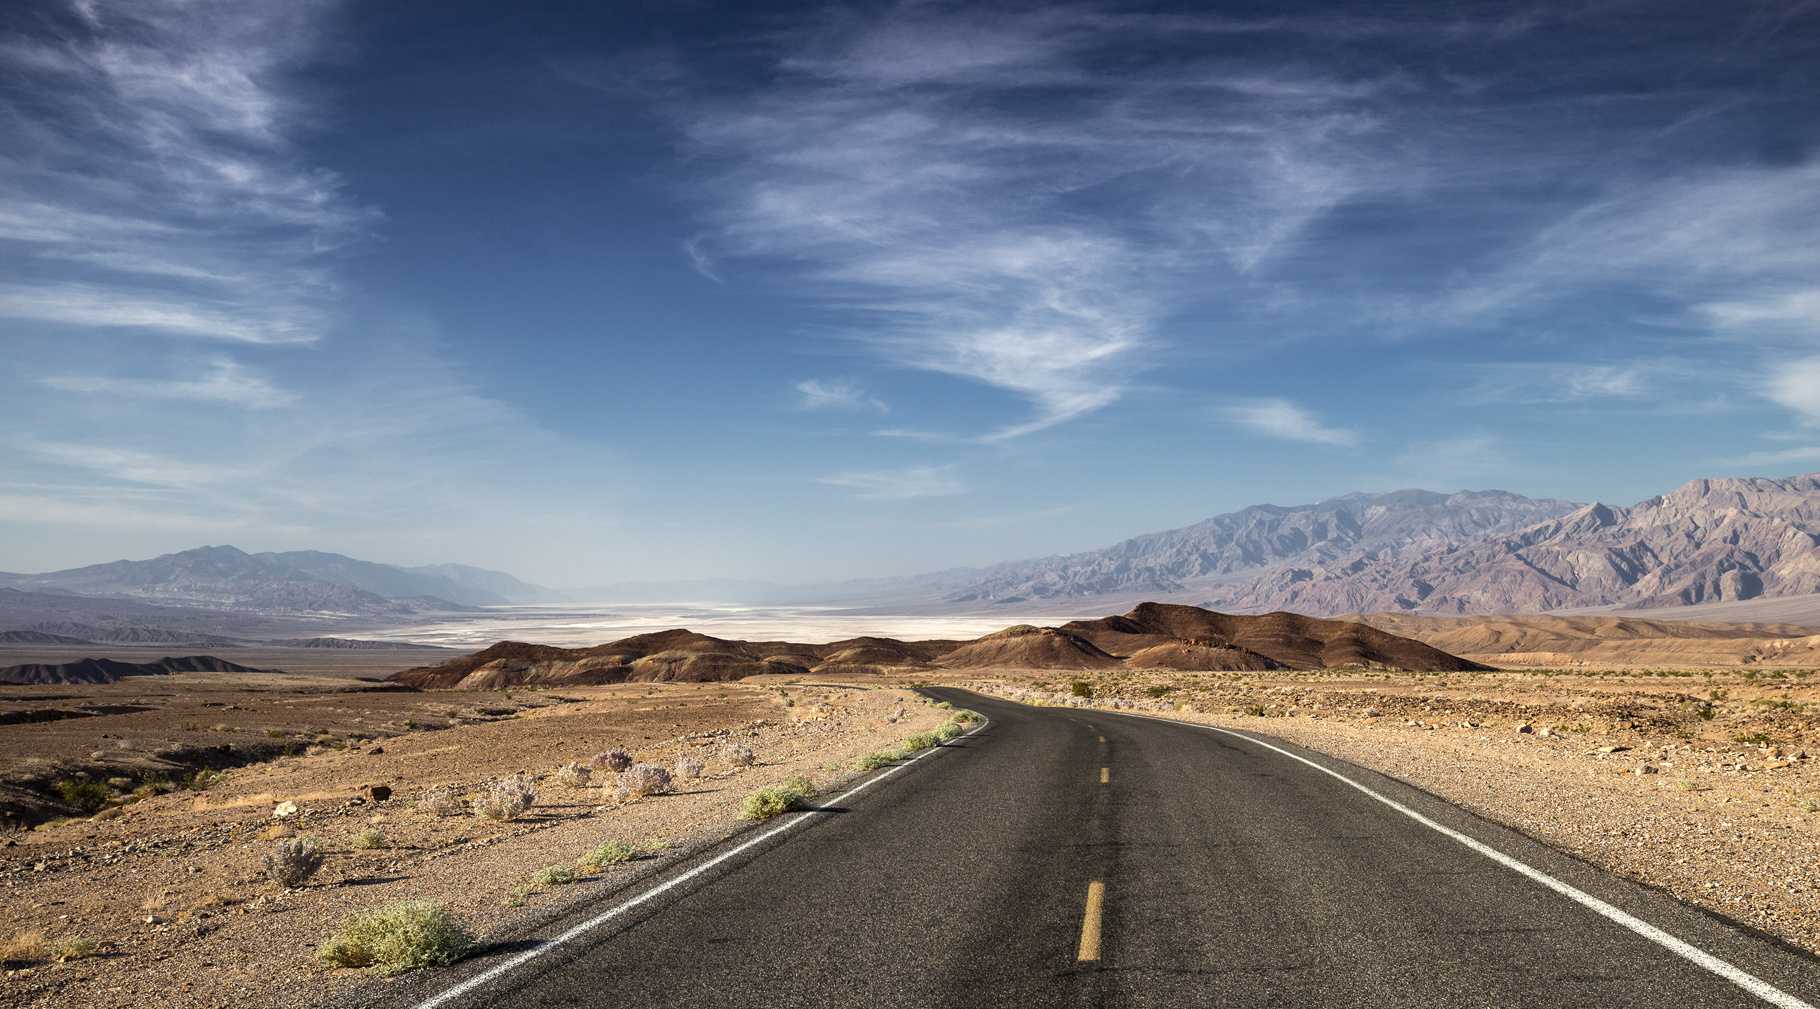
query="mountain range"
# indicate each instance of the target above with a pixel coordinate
(304, 582)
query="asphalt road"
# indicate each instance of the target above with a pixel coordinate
(1227, 875)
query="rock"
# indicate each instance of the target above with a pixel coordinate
(376, 793)
(1776, 764)
(284, 809)
(1648, 769)
(1525, 727)
(153, 919)
(375, 751)
(1609, 749)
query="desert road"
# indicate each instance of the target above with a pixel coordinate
(1065, 857)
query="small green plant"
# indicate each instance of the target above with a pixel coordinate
(449, 713)
(947, 730)
(410, 723)
(1754, 739)
(154, 785)
(1718, 695)
(1688, 785)
(921, 741)
(1255, 710)
(965, 715)
(1157, 691)
(945, 706)
(876, 759)
(83, 793)
(1081, 688)
(73, 948)
(1683, 734)
(370, 840)
(1808, 805)
(555, 875)
(772, 800)
(608, 853)
(1706, 714)
(398, 937)
(273, 734)
(801, 785)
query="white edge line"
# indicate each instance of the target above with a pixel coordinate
(1749, 982)
(543, 947)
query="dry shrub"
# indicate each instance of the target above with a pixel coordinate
(609, 853)
(291, 862)
(24, 947)
(74, 947)
(440, 802)
(571, 775)
(772, 800)
(737, 755)
(644, 779)
(369, 840)
(506, 799)
(615, 760)
(688, 768)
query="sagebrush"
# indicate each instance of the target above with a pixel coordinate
(615, 760)
(737, 755)
(689, 767)
(440, 802)
(398, 937)
(644, 779)
(571, 775)
(772, 800)
(609, 853)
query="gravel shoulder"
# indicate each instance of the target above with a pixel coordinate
(170, 887)
(1619, 769)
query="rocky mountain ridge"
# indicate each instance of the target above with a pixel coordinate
(1711, 540)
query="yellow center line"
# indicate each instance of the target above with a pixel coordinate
(1102, 739)
(1105, 775)
(1090, 926)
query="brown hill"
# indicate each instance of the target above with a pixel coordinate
(1193, 655)
(660, 657)
(109, 670)
(1027, 647)
(1608, 640)
(1295, 641)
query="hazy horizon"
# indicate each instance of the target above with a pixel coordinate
(798, 294)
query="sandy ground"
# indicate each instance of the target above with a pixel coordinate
(172, 890)
(1716, 822)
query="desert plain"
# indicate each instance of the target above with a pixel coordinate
(1697, 777)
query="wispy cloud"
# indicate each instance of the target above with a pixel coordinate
(1279, 418)
(900, 484)
(1796, 385)
(996, 208)
(835, 394)
(228, 381)
(151, 184)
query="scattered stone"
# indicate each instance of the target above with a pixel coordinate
(284, 809)
(376, 793)
(1648, 769)
(1525, 728)
(154, 919)
(375, 751)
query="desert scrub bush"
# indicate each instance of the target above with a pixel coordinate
(608, 853)
(1688, 785)
(273, 734)
(688, 768)
(439, 802)
(644, 779)
(772, 800)
(921, 741)
(615, 760)
(24, 947)
(1808, 805)
(505, 799)
(1081, 688)
(966, 715)
(1754, 738)
(84, 794)
(1255, 710)
(571, 775)
(945, 706)
(801, 785)
(370, 840)
(74, 947)
(737, 755)
(876, 759)
(947, 731)
(1707, 714)
(291, 861)
(554, 875)
(398, 937)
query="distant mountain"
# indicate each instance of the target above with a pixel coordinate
(1709, 541)
(1348, 529)
(235, 580)
(455, 582)
(39, 638)
(127, 635)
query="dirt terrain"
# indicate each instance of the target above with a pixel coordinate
(170, 887)
(1607, 641)
(1618, 767)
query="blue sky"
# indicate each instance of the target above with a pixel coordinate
(601, 292)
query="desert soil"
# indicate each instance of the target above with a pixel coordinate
(1627, 776)
(170, 887)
